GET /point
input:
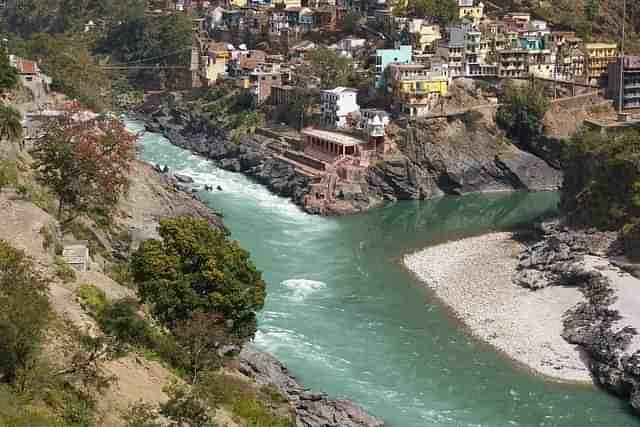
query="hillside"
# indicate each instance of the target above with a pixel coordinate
(595, 20)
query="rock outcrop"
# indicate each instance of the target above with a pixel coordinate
(311, 409)
(594, 325)
(559, 254)
(439, 157)
(430, 159)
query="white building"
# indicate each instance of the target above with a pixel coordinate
(337, 104)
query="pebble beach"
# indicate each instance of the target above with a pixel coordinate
(473, 277)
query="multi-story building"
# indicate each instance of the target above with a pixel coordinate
(336, 105)
(598, 56)
(261, 83)
(513, 63)
(423, 35)
(631, 83)
(416, 90)
(569, 60)
(472, 13)
(517, 22)
(385, 57)
(456, 49)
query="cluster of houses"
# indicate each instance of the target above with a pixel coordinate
(415, 72)
(412, 61)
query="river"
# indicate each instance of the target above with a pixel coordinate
(346, 318)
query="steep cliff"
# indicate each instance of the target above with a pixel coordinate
(443, 156)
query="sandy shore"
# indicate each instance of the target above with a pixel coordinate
(473, 277)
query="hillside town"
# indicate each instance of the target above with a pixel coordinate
(399, 69)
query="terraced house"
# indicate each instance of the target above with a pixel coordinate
(416, 89)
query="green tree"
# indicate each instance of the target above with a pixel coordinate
(196, 267)
(8, 74)
(444, 11)
(72, 68)
(332, 68)
(85, 165)
(10, 123)
(601, 184)
(522, 113)
(24, 315)
(200, 338)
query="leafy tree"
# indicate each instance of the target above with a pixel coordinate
(24, 315)
(332, 68)
(85, 164)
(10, 123)
(522, 113)
(601, 185)
(444, 11)
(201, 336)
(72, 68)
(8, 74)
(197, 268)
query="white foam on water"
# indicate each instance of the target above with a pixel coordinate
(301, 289)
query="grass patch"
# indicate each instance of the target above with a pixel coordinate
(252, 405)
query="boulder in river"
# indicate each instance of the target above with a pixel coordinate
(185, 179)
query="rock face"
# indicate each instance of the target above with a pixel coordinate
(552, 260)
(557, 260)
(311, 409)
(431, 159)
(439, 157)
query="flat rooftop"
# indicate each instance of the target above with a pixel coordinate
(335, 137)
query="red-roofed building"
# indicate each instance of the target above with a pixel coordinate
(31, 76)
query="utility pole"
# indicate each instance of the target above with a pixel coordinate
(621, 91)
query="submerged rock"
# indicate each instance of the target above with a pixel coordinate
(185, 179)
(312, 409)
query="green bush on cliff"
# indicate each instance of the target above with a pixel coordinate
(197, 268)
(602, 180)
(522, 113)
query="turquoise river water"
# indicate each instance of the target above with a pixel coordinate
(346, 318)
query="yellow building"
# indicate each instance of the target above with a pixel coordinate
(288, 3)
(598, 56)
(416, 89)
(474, 13)
(238, 3)
(423, 35)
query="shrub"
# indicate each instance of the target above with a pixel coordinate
(78, 413)
(24, 315)
(257, 414)
(92, 298)
(120, 272)
(141, 415)
(47, 237)
(64, 272)
(522, 113)
(121, 320)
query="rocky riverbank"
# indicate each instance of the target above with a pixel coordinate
(474, 278)
(551, 300)
(152, 189)
(605, 323)
(310, 409)
(428, 159)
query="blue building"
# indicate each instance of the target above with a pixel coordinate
(384, 57)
